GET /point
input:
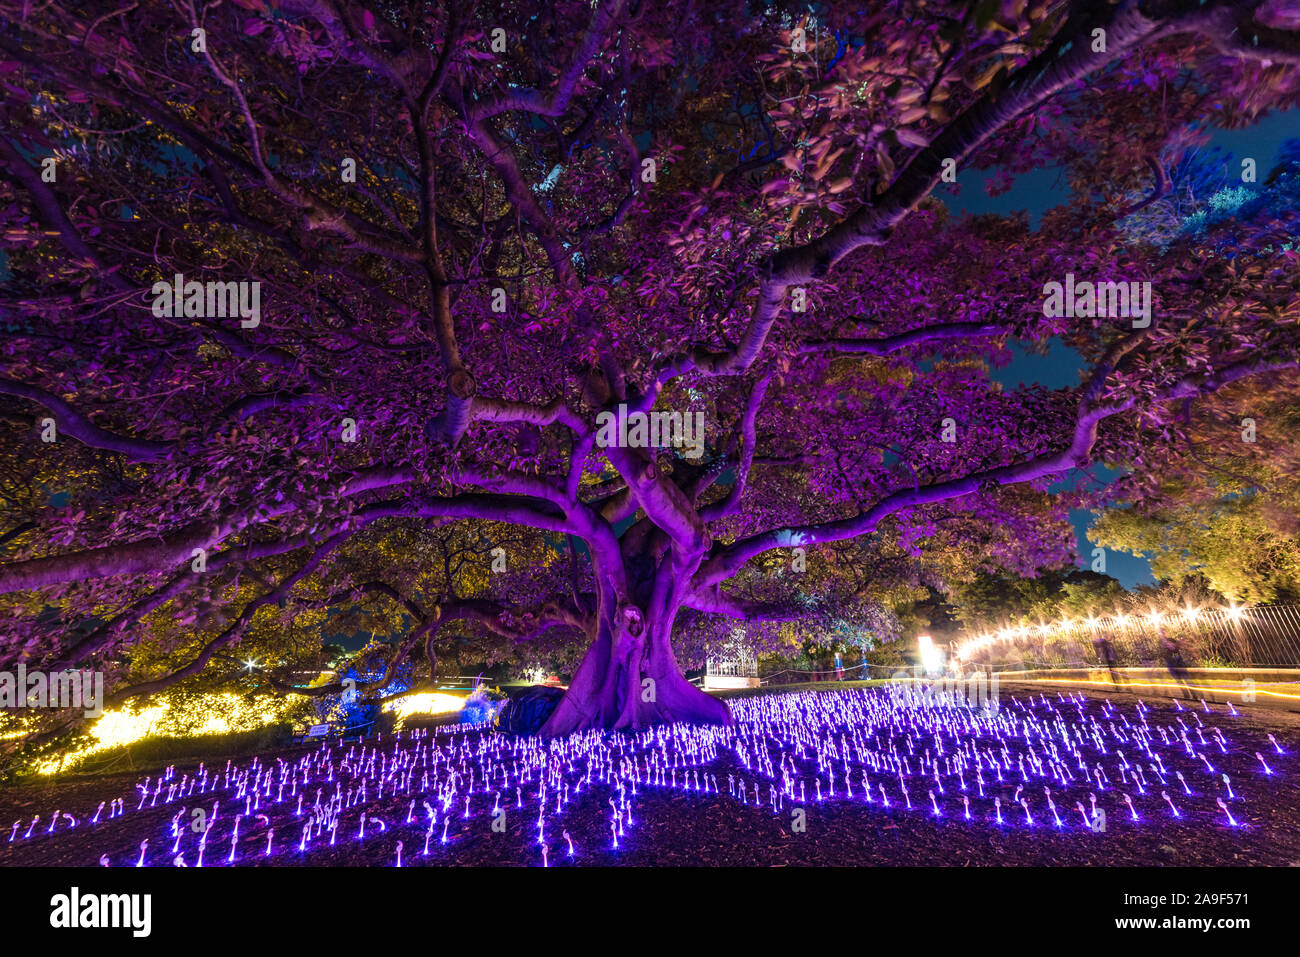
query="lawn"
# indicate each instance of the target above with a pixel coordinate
(788, 784)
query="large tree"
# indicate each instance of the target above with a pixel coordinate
(479, 229)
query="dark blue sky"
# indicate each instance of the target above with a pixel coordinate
(1043, 189)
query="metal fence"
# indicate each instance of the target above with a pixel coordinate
(733, 667)
(1262, 636)
(826, 671)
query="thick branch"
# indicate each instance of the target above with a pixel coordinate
(556, 101)
(731, 558)
(236, 629)
(70, 422)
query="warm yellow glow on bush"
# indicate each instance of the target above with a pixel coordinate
(432, 702)
(209, 714)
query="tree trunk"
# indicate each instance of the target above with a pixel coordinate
(629, 679)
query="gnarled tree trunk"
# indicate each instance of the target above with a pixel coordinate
(629, 678)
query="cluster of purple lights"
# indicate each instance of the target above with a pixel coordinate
(903, 746)
(1064, 763)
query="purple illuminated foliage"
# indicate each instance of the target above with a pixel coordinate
(777, 175)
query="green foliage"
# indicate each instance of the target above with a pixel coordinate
(156, 752)
(1226, 505)
(991, 601)
(1232, 543)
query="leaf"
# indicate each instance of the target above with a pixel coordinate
(987, 76)
(911, 137)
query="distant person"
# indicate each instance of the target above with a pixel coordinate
(1174, 661)
(839, 667)
(1106, 655)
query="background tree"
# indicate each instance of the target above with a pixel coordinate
(1225, 507)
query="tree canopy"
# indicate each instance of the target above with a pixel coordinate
(478, 232)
